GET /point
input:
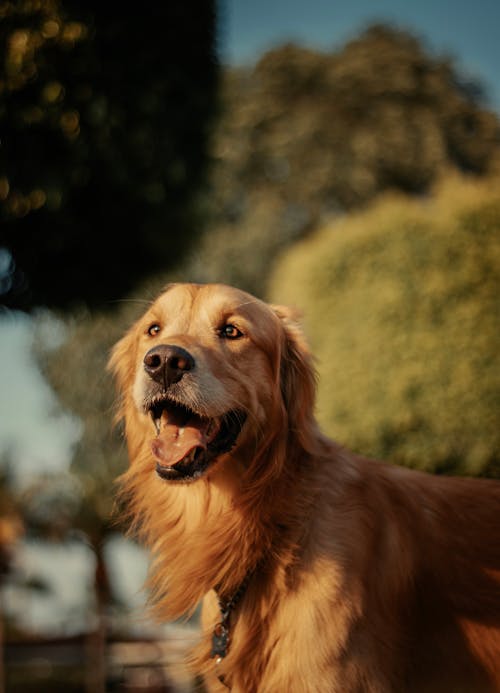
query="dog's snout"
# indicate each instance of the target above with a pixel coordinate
(167, 363)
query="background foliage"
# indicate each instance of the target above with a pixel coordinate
(105, 111)
(401, 304)
(305, 136)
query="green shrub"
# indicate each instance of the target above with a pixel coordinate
(401, 306)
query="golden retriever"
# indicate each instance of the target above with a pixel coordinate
(320, 571)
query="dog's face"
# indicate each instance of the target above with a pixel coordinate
(202, 375)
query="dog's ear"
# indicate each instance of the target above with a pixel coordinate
(297, 373)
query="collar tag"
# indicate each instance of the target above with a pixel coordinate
(220, 641)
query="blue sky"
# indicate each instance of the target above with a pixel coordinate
(467, 31)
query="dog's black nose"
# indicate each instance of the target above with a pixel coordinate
(167, 364)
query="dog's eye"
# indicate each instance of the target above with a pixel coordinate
(230, 332)
(153, 329)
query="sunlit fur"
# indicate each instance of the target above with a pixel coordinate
(365, 577)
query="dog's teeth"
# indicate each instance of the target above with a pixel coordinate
(190, 457)
(157, 423)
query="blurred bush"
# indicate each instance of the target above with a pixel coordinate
(401, 304)
(304, 136)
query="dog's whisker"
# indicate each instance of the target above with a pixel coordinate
(139, 301)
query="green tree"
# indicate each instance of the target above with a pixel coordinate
(77, 372)
(305, 136)
(401, 305)
(105, 110)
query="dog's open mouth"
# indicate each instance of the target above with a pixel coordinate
(186, 443)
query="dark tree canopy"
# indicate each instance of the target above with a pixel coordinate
(105, 110)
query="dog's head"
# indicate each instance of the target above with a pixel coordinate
(208, 370)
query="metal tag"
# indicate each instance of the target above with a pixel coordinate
(220, 641)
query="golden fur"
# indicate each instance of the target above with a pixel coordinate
(365, 577)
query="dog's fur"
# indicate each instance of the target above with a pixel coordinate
(364, 577)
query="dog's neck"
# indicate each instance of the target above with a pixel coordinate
(212, 532)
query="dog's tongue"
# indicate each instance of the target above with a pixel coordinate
(177, 438)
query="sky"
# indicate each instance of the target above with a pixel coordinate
(467, 31)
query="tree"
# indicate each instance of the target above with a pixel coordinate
(105, 113)
(305, 136)
(77, 372)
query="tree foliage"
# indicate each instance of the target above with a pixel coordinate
(306, 135)
(105, 111)
(77, 372)
(401, 305)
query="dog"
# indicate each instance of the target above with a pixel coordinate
(318, 570)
